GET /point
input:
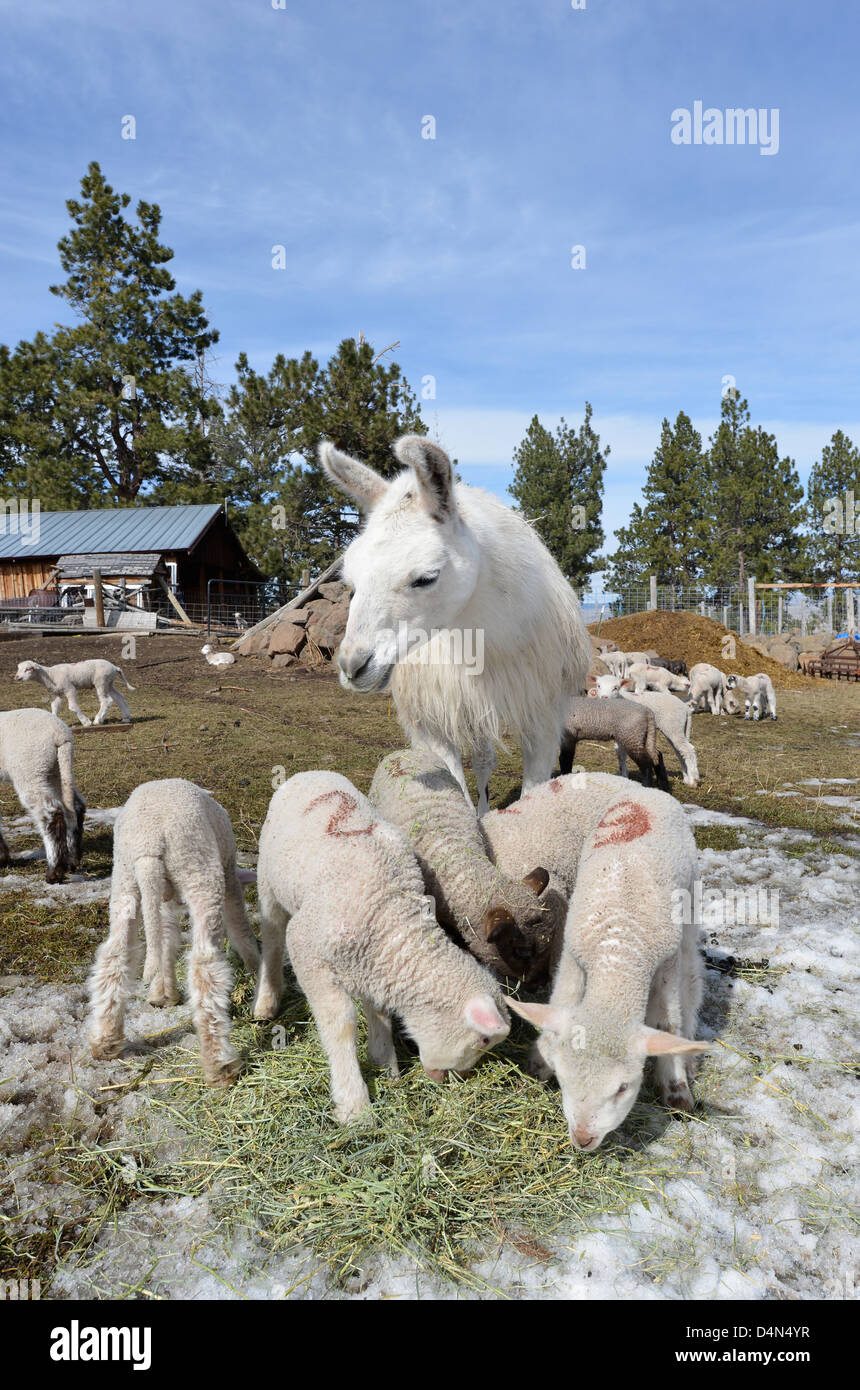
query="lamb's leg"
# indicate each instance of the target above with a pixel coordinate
(72, 702)
(4, 852)
(380, 1043)
(168, 949)
(334, 1014)
(236, 921)
(273, 926)
(664, 1011)
(121, 703)
(50, 821)
(483, 762)
(103, 693)
(55, 704)
(209, 981)
(112, 980)
(692, 989)
(622, 760)
(686, 755)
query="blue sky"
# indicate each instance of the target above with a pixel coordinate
(301, 127)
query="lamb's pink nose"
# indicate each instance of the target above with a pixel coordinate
(583, 1138)
(436, 1075)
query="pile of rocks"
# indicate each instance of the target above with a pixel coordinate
(793, 650)
(308, 634)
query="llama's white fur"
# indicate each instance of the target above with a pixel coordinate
(173, 843)
(491, 580)
(501, 920)
(67, 678)
(628, 984)
(707, 683)
(758, 692)
(346, 888)
(37, 757)
(673, 718)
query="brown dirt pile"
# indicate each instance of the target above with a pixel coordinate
(690, 637)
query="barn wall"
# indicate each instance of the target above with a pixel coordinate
(18, 577)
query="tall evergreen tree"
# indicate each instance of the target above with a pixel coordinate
(833, 490)
(752, 507)
(664, 537)
(558, 485)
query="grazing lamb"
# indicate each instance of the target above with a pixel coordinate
(758, 693)
(706, 683)
(348, 890)
(632, 729)
(37, 757)
(173, 842)
(67, 678)
(616, 661)
(672, 717)
(459, 606)
(647, 677)
(217, 658)
(628, 985)
(500, 920)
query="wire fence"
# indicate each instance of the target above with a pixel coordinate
(810, 608)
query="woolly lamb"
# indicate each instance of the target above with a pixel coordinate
(758, 693)
(628, 985)
(173, 842)
(217, 658)
(500, 920)
(633, 730)
(616, 661)
(672, 717)
(67, 678)
(348, 890)
(647, 677)
(678, 668)
(37, 757)
(706, 683)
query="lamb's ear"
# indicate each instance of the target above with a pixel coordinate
(355, 479)
(655, 1043)
(432, 469)
(541, 1015)
(537, 880)
(481, 1014)
(592, 690)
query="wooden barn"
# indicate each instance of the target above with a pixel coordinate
(138, 550)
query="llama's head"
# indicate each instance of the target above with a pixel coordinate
(414, 566)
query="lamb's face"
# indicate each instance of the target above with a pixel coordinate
(26, 671)
(457, 1044)
(599, 1076)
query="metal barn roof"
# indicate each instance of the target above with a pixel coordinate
(123, 529)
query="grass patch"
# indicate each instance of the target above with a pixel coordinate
(717, 837)
(52, 942)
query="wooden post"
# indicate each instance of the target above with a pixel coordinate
(99, 597)
(849, 611)
(174, 600)
(751, 602)
(779, 604)
(725, 615)
(829, 610)
(653, 603)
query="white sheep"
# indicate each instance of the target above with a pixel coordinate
(673, 719)
(67, 678)
(217, 658)
(632, 729)
(616, 661)
(647, 677)
(758, 693)
(628, 984)
(348, 891)
(707, 683)
(172, 843)
(37, 757)
(502, 921)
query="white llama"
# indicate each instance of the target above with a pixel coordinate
(459, 606)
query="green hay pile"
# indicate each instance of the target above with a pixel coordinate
(441, 1173)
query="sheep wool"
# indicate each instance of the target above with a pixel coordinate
(37, 758)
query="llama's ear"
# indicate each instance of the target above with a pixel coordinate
(355, 479)
(432, 468)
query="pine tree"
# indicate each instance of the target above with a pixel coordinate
(833, 544)
(558, 485)
(664, 536)
(130, 408)
(752, 505)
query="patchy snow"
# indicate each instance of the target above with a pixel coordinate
(758, 1187)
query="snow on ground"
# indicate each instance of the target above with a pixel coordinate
(758, 1188)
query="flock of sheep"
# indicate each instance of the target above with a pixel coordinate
(409, 900)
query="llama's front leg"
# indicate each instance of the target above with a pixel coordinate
(483, 762)
(112, 981)
(539, 753)
(72, 702)
(334, 1015)
(380, 1043)
(449, 754)
(664, 1012)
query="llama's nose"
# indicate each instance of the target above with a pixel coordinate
(353, 661)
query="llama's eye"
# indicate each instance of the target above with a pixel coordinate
(424, 581)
